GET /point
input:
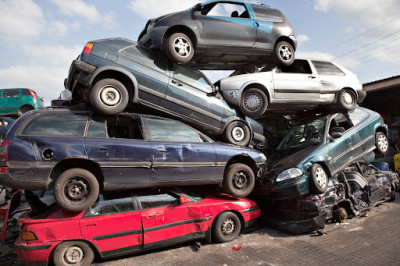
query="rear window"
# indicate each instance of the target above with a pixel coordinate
(25, 92)
(327, 68)
(267, 14)
(66, 124)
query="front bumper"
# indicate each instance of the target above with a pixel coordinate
(361, 96)
(299, 226)
(287, 190)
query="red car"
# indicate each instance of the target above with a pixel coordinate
(121, 226)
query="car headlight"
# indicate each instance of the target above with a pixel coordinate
(289, 174)
(263, 157)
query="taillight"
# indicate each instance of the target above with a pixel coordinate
(28, 236)
(4, 155)
(32, 93)
(88, 48)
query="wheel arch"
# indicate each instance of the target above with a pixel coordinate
(286, 39)
(323, 164)
(244, 160)
(233, 119)
(179, 28)
(122, 75)
(381, 129)
(258, 86)
(237, 213)
(346, 88)
(86, 164)
(95, 249)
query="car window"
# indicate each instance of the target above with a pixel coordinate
(327, 68)
(339, 123)
(114, 127)
(266, 14)
(192, 77)
(145, 57)
(25, 92)
(357, 116)
(368, 169)
(157, 200)
(298, 67)
(225, 10)
(169, 130)
(66, 124)
(106, 207)
(10, 93)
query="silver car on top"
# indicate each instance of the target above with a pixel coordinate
(305, 84)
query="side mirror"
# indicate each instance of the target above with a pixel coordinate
(197, 9)
(183, 199)
(336, 134)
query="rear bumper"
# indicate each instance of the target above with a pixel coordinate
(79, 72)
(34, 254)
(8, 181)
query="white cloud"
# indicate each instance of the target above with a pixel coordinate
(81, 9)
(302, 38)
(20, 19)
(154, 8)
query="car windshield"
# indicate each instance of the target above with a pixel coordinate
(304, 135)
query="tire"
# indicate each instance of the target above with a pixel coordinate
(237, 133)
(179, 47)
(226, 227)
(283, 54)
(381, 143)
(239, 180)
(109, 96)
(347, 100)
(76, 189)
(318, 179)
(24, 109)
(73, 253)
(254, 102)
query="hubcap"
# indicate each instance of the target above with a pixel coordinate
(240, 180)
(238, 134)
(382, 143)
(182, 47)
(347, 98)
(76, 189)
(110, 96)
(320, 177)
(285, 52)
(252, 102)
(73, 255)
(228, 227)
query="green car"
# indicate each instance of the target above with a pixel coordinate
(18, 101)
(318, 148)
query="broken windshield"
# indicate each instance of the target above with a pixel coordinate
(304, 135)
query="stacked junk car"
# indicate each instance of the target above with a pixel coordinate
(150, 144)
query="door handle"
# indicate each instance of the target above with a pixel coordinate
(150, 217)
(102, 149)
(91, 225)
(311, 77)
(177, 83)
(161, 150)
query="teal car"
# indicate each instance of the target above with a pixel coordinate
(318, 148)
(17, 101)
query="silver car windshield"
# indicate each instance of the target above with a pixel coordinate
(304, 135)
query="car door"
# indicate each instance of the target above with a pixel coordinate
(380, 186)
(10, 101)
(296, 83)
(342, 148)
(166, 221)
(364, 131)
(330, 78)
(114, 226)
(181, 154)
(226, 24)
(190, 95)
(116, 143)
(150, 71)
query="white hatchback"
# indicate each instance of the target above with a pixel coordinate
(305, 84)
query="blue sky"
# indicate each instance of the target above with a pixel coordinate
(40, 38)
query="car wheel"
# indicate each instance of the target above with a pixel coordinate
(237, 133)
(24, 109)
(239, 180)
(381, 143)
(76, 189)
(73, 253)
(179, 47)
(283, 54)
(254, 102)
(226, 227)
(318, 179)
(347, 100)
(109, 96)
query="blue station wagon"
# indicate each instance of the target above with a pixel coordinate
(318, 148)
(113, 74)
(81, 154)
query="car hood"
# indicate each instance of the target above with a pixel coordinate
(285, 159)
